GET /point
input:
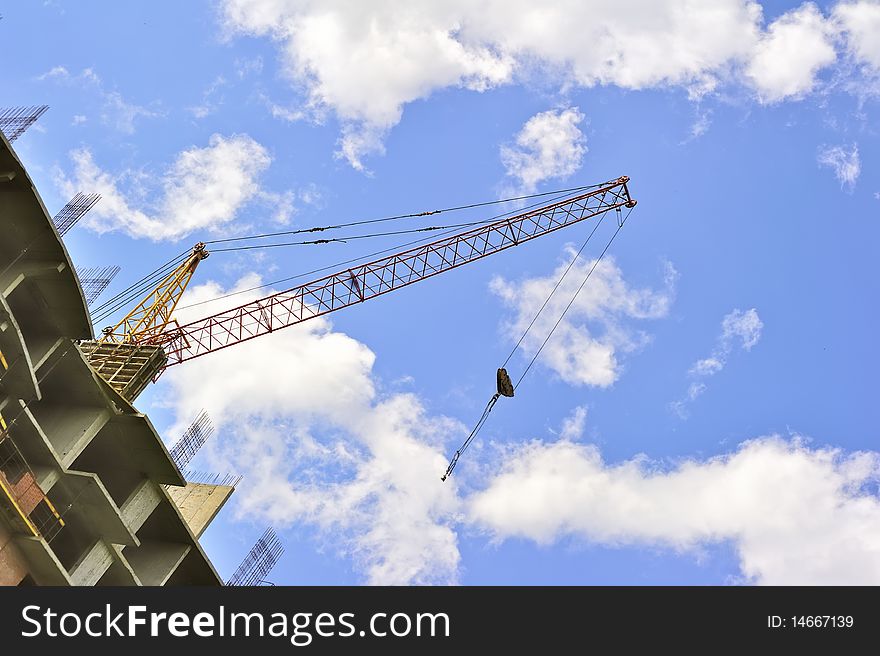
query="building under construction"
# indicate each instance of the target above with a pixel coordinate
(89, 494)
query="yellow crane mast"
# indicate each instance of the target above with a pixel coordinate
(127, 355)
(152, 316)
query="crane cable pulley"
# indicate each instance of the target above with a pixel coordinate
(504, 387)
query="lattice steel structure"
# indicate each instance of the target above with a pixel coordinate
(259, 562)
(192, 440)
(125, 356)
(95, 280)
(153, 315)
(367, 281)
(75, 209)
(15, 120)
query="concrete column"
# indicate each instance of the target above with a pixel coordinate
(140, 504)
(199, 503)
(92, 565)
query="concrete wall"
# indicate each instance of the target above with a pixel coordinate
(199, 503)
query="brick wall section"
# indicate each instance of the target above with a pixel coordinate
(12, 566)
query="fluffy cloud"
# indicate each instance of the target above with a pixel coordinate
(744, 327)
(116, 111)
(365, 60)
(203, 189)
(212, 98)
(738, 328)
(797, 515)
(788, 57)
(573, 425)
(549, 145)
(585, 348)
(845, 163)
(319, 446)
(861, 21)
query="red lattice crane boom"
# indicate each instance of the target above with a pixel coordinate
(381, 276)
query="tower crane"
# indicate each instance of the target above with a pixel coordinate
(148, 339)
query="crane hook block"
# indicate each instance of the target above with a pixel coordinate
(505, 387)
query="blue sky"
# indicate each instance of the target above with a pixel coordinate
(706, 412)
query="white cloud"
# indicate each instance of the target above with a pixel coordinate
(585, 348)
(549, 145)
(695, 390)
(573, 425)
(365, 60)
(700, 126)
(796, 515)
(122, 114)
(707, 366)
(212, 99)
(861, 21)
(746, 326)
(358, 141)
(320, 447)
(788, 57)
(282, 204)
(738, 328)
(116, 111)
(56, 72)
(245, 67)
(284, 113)
(845, 163)
(203, 189)
(78, 119)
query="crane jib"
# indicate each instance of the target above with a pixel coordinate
(357, 284)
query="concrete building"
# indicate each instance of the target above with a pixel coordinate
(88, 492)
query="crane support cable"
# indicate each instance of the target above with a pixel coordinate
(398, 217)
(155, 273)
(138, 287)
(133, 294)
(503, 389)
(553, 291)
(348, 238)
(573, 299)
(560, 195)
